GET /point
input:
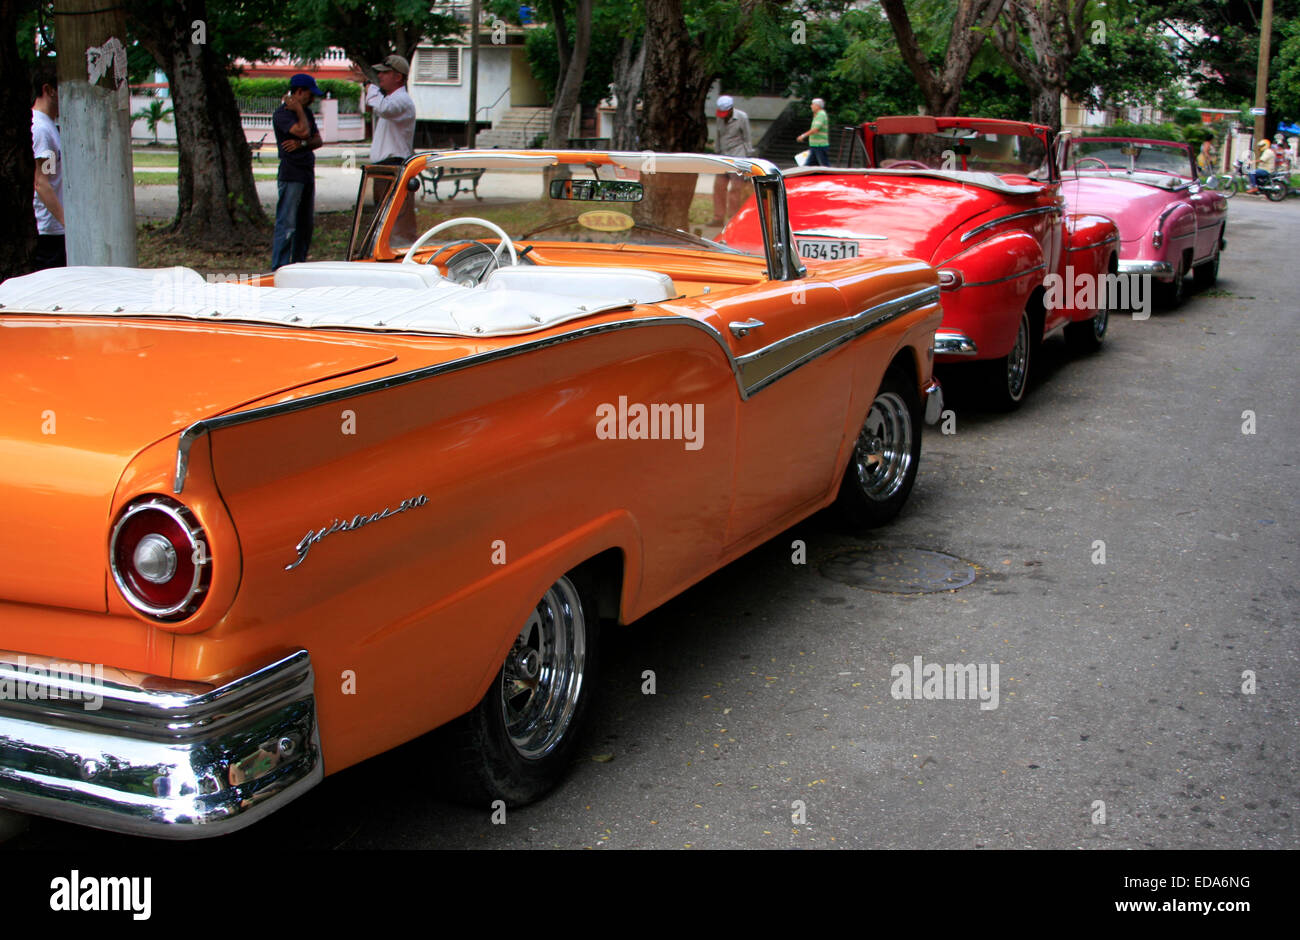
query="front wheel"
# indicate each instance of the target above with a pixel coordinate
(1008, 377)
(519, 740)
(882, 468)
(1169, 294)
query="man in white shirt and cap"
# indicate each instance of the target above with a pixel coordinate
(394, 134)
(731, 138)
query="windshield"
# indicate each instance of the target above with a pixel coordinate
(963, 149)
(1108, 155)
(641, 203)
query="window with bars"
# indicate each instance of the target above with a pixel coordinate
(439, 65)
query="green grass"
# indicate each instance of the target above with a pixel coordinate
(163, 178)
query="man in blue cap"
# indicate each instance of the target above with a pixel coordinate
(296, 137)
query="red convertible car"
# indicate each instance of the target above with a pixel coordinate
(1168, 224)
(979, 199)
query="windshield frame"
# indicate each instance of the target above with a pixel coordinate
(782, 264)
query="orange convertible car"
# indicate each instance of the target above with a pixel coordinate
(257, 532)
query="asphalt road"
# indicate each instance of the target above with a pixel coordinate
(1119, 683)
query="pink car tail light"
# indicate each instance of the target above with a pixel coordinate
(949, 279)
(159, 558)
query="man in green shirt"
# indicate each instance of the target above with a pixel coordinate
(818, 136)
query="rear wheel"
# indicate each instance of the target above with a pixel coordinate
(1275, 190)
(883, 465)
(1086, 336)
(519, 740)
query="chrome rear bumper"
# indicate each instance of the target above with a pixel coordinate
(152, 756)
(1146, 267)
(953, 343)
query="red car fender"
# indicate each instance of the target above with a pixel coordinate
(998, 277)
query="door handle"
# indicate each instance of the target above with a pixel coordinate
(741, 328)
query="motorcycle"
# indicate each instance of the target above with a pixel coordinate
(1276, 187)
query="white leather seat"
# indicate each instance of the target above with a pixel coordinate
(359, 274)
(591, 285)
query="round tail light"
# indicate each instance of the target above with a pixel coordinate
(159, 557)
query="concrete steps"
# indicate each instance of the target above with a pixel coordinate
(517, 129)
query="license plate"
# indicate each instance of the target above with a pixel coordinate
(826, 250)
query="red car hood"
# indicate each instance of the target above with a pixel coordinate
(1133, 206)
(916, 214)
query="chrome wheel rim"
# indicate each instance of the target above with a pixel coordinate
(1018, 361)
(883, 454)
(542, 678)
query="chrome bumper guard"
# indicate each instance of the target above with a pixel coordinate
(933, 401)
(953, 343)
(152, 756)
(1146, 267)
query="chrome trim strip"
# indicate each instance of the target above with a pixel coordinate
(199, 428)
(953, 343)
(153, 756)
(764, 366)
(1104, 241)
(1008, 218)
(1010, 277)
(1159, 234)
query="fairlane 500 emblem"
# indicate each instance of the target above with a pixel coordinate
(315, 535)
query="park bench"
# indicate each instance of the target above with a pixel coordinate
(430, 179)
(256, 148)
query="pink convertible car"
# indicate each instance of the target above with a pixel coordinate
(1169, 225)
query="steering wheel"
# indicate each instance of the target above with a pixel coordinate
(1103, 163)
(465, 220)
(906, 165)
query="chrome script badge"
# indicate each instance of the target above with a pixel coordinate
(356, 522)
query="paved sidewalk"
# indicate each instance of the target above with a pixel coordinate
(336, 190)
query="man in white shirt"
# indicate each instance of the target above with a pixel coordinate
(394, 135)
(47, 148)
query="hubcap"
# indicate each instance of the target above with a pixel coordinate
(542, 678)
(883, 453)
(1018, 361)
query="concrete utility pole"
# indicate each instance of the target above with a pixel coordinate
(473, 74)
(1261, 70)
(95, 129)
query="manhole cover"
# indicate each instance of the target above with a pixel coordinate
(897, 570)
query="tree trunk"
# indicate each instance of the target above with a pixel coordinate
(1055, 32)
(627, 88)
(218, 204)
(972, 19)
(17, 166)
(673, 121)
(573, 68)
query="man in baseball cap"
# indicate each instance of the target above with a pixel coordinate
(731, 137)
(393, 138)
(394, 63)
(297, 137)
